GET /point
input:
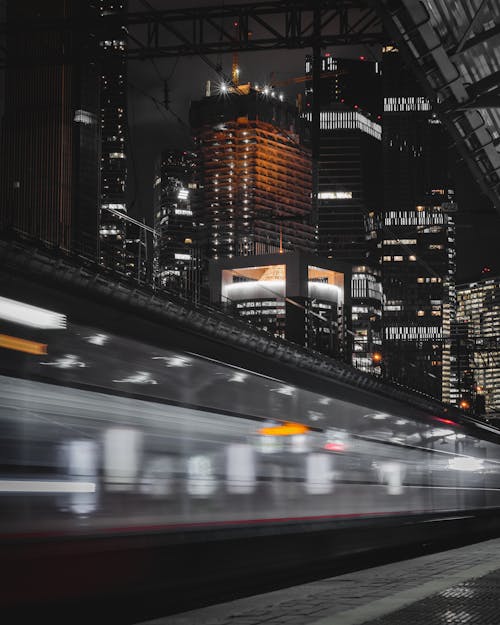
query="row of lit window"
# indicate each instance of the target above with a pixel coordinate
(400, 241)
(412, 257)
(426, 280)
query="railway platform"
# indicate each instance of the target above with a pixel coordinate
(459, 586)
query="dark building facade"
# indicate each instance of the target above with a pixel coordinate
(459, 387)
(416, 233)
(349, 165)
(255, 174)
(479, 309)
(50, 131)
(113, 157)
(177, 247)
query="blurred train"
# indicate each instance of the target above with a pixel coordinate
(101, 431)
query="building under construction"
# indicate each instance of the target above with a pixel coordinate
(255, 174)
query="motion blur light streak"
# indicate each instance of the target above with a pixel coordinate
(22, 345)
(447, 421)
(97, 339)
(68, 361)
(41, 486)
(284, 390)
(174, 361)
(141, 377)
(212, 443)
(465, 464)
(25, 314)
(286, 429)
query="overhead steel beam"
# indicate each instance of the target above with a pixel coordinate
(485, 85)
(270, 25)
(261, 25)
(470, 27)
(472, 42)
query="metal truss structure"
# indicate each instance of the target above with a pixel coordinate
(263, 25)
(259, 25)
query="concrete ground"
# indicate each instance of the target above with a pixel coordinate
(455, 587)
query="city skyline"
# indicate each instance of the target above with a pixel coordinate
(256, 164)
(153, 129)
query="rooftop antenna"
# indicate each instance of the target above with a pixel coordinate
(235, 68)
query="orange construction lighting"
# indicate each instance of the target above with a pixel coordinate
(286, 429)
(22, 345)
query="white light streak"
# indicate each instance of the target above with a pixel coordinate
(465, 464)
(285, 390)
(97, 339)
(141, 377)
(46, 486)
(174, 361)
(68, 361)
(27, 315)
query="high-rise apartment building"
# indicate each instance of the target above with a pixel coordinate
(50, 178)
(416, 234)
(177, 245)
(255, 174)
(479, 308)
(113, 123)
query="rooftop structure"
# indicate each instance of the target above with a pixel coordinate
(296, 296)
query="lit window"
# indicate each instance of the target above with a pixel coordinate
(335, 195)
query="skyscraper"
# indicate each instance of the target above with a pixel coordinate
(176, 246)
(349, 166)
(349, 187)
(113, 123)
(50, 131)
(255, 174)
(416, 233)
(479, 309)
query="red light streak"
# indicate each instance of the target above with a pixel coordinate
(447, 421)
(334, 446)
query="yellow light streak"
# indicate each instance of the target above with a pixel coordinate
(22, 345)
